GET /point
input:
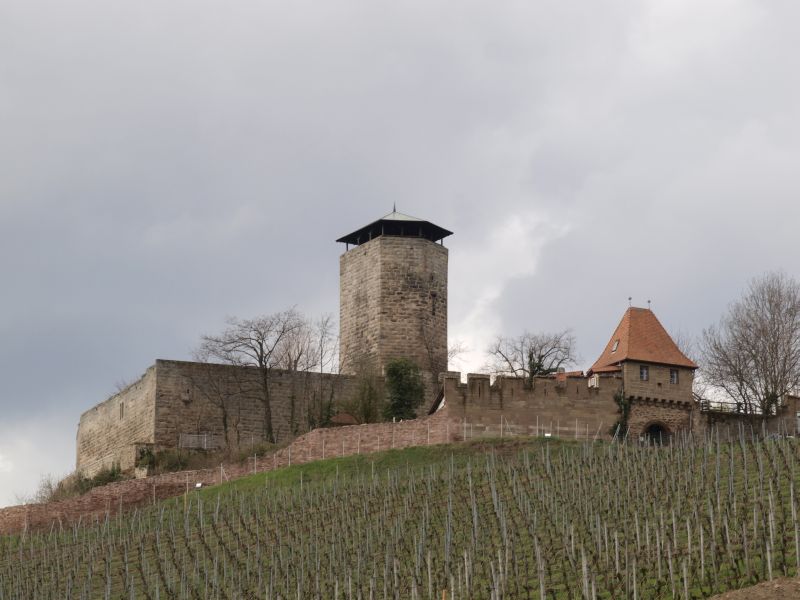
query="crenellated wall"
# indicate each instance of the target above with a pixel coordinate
(560, 407)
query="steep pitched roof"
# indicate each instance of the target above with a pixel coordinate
(640, 336)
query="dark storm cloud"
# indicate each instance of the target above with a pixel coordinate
(164, 164)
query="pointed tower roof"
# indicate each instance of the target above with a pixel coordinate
(641, 337)
(396, 223)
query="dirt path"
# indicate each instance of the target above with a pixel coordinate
(777, 589)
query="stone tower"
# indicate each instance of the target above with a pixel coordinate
(393, 297)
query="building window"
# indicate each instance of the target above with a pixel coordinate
(644, 373)
(615, 346)
(121, 410)
(673, 376)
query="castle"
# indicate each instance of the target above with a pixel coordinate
(393, 304)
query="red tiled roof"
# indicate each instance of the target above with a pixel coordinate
(562, 376)
(640, 336)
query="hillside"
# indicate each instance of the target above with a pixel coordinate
(514, 519)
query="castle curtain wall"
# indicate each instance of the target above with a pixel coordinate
(109, 432)
(553, 406)
(198, 398)
(221, 402)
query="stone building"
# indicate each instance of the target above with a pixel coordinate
(655, 376)
(393, 304)
(393, 293)
(393, 297)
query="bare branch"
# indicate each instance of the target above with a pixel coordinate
(753, 354)
(532, 354)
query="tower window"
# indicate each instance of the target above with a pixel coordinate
(433, 303)
(644, 373)
(121, 410)
(673, 376)
(615, 346)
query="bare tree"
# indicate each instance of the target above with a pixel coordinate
(455, 350)
(532, 354)
(753, 354)
(225, 389)
(257, 343)
(690, 346)
(320, 409)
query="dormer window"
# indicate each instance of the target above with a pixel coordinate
(615, 346)
(644, 373)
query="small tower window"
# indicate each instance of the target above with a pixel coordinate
(121, 410)
(673, 376)
(433, 303)
(644, 373)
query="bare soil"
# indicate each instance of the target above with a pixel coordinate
(778, 589)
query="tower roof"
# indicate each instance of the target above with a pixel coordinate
(640, 336)
(396, 223)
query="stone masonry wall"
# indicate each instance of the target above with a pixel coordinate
(359, 305)
(674, 416)
(568, 408)
(414, 306)
(393, 303)
(658, 386)
(108, 432)
(198, 398)
(222, 401)
(732, 425)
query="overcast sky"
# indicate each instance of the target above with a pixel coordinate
(166, 163)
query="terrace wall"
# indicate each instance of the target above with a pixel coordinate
(315, 445)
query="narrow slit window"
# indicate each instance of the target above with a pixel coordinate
(644, 373)
(121, 410)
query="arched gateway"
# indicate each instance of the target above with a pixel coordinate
(657, 434)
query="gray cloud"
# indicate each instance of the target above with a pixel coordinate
(163, 165)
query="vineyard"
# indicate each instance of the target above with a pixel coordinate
(532, 519)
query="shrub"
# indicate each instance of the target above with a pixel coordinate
(404, 389)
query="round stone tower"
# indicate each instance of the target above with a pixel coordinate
(393, 297)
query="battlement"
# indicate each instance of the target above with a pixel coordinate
(552, 403)
(479, 388)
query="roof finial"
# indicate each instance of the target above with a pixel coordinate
(394, 207)
(648, 305)
(629, 301)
